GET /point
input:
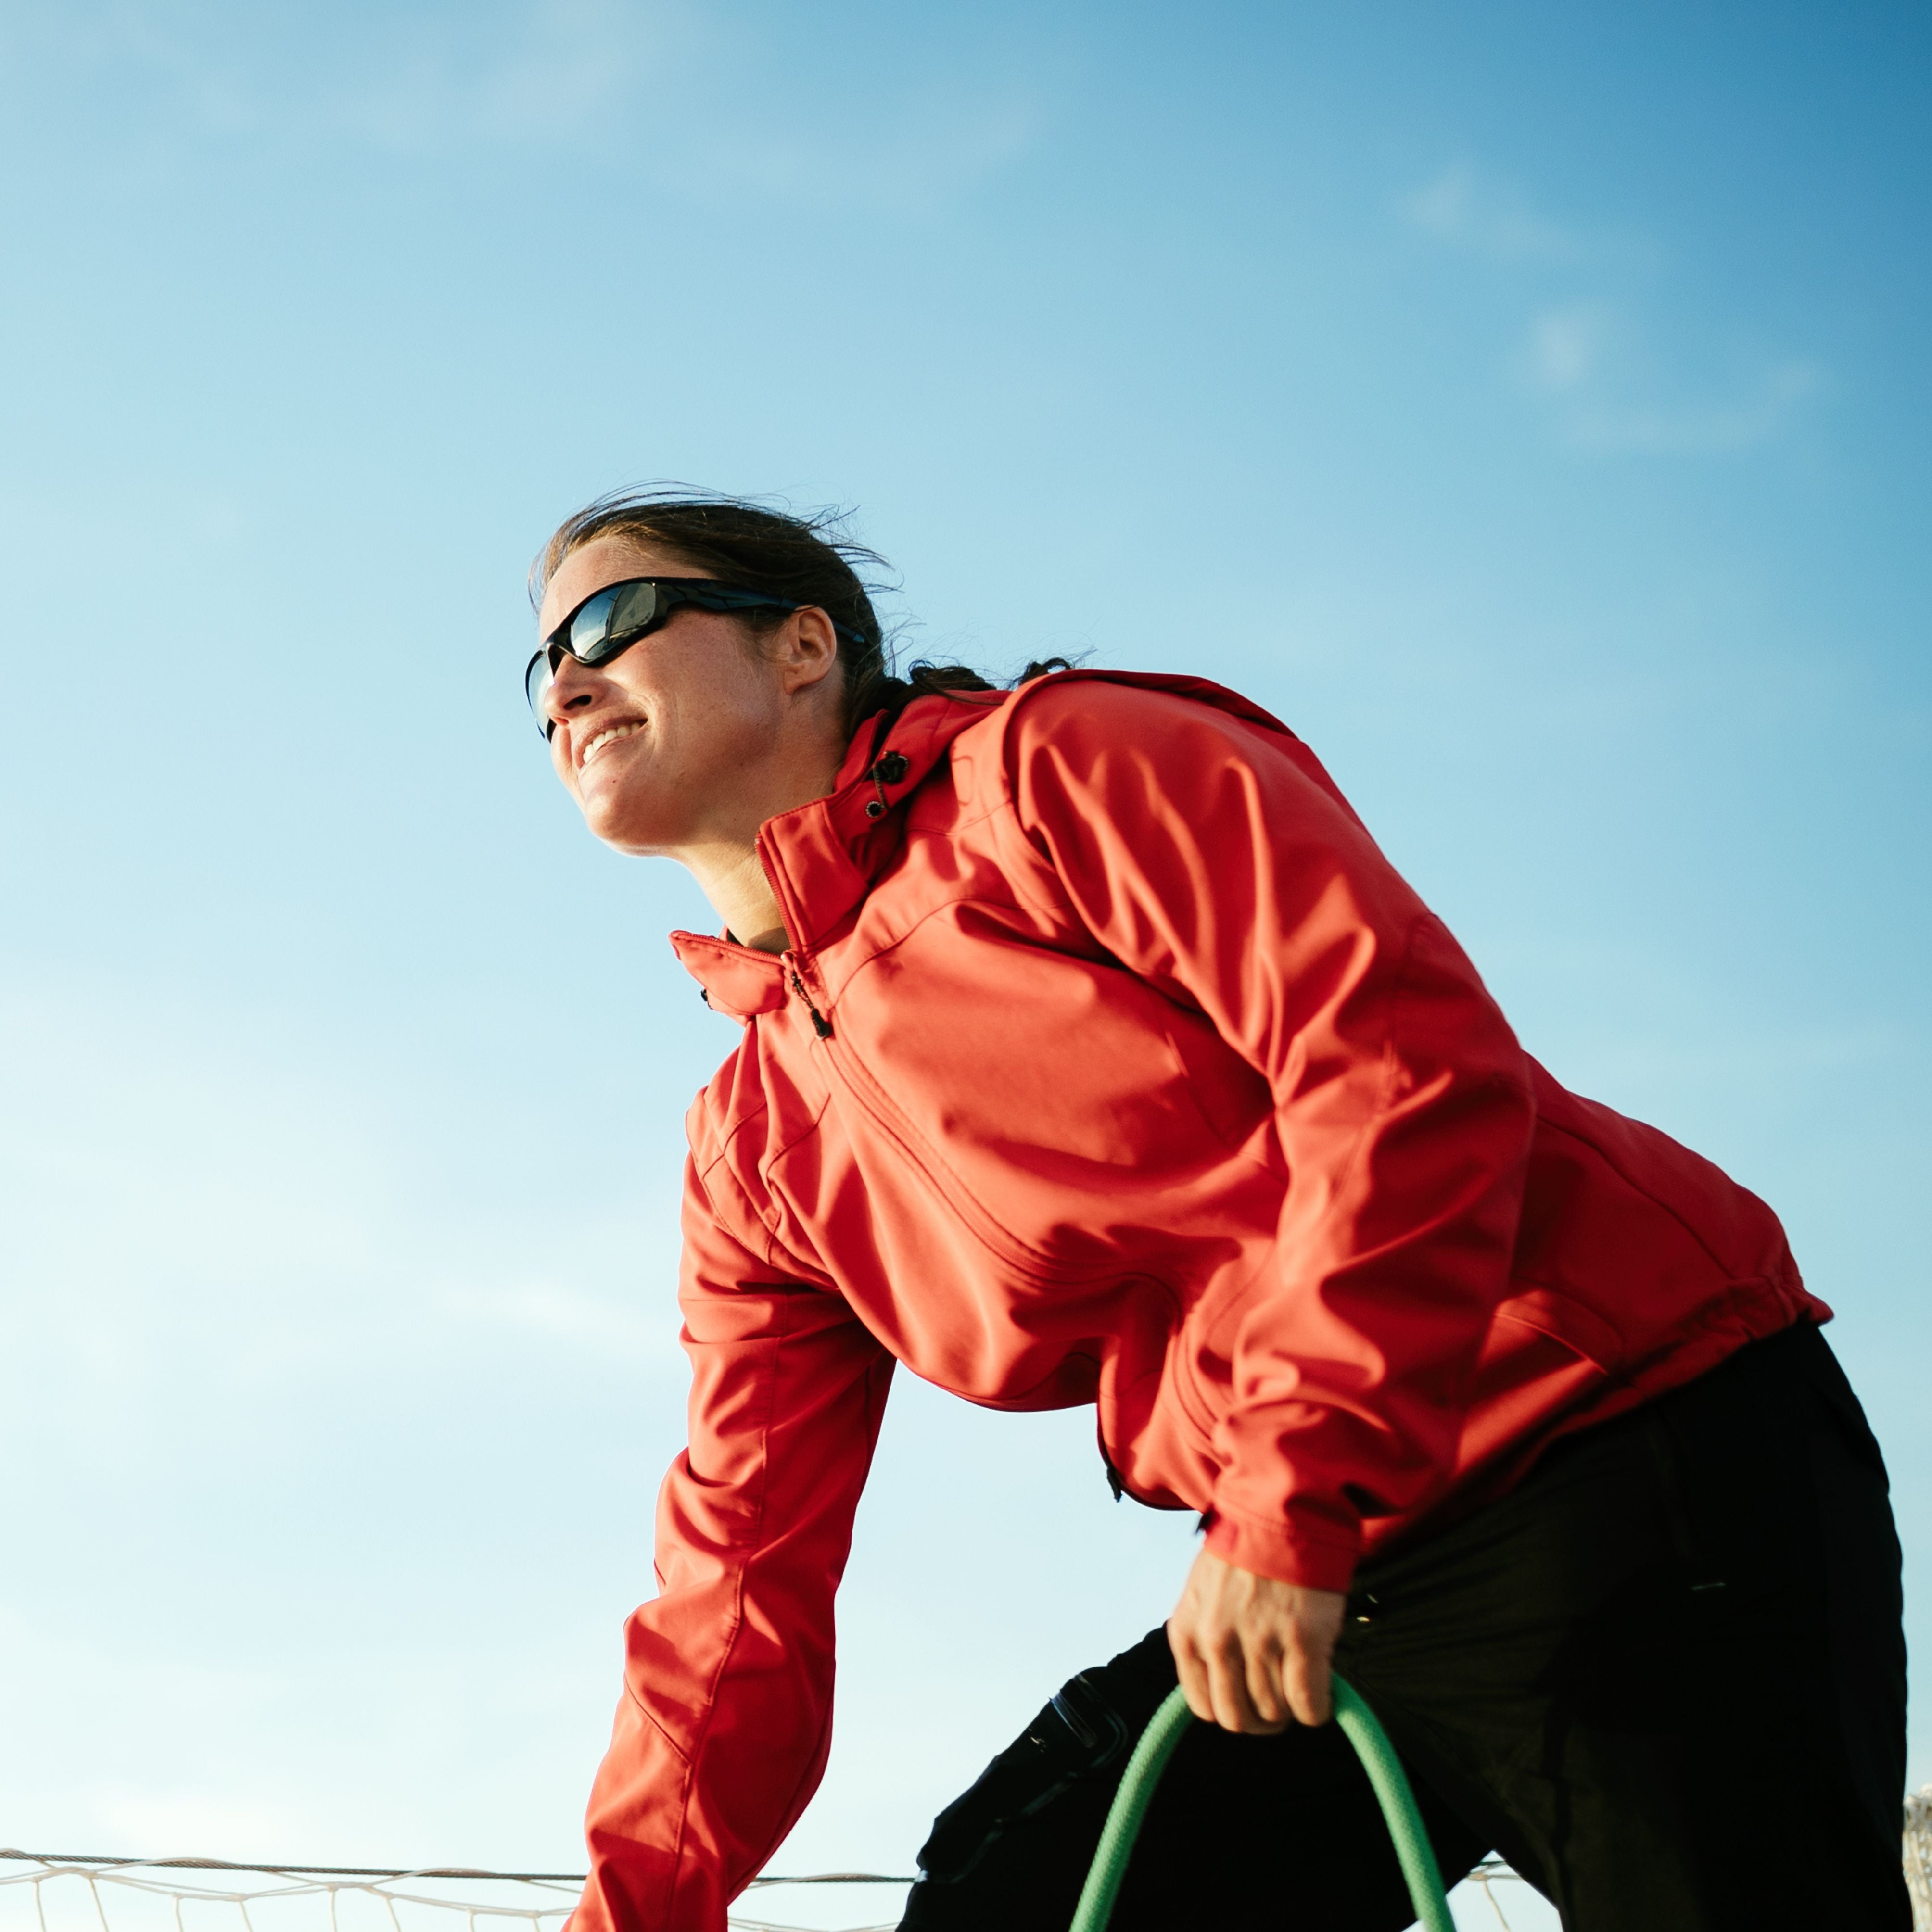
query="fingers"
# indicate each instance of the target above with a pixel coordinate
(1192, 1673)
(1305, 1675)
(1254, 1655)
(1228, 1683)
(1242, 1698)
(1217, 1685)
(1307, 1666)
(1268, 1698)
(1189, 1671)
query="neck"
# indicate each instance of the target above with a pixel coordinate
(731, 877)
(726, 865)
(723, 856)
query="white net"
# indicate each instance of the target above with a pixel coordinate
(49, 1892)
(1918, 1856)
(52, 1892)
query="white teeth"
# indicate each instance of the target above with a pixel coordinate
(607, 737)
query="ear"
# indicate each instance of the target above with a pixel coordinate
(805, 650)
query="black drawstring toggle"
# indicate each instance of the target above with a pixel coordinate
(889, 770)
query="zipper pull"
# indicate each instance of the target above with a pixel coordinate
(822, 1026)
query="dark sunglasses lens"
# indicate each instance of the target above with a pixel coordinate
(624, 606)
(535, 681)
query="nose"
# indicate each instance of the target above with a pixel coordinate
(573, 687)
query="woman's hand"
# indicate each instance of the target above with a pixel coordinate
(1254, 1655)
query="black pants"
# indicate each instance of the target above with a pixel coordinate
(1664, 1677)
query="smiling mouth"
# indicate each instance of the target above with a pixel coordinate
(606, 738)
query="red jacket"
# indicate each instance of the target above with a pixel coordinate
(1114, 1063)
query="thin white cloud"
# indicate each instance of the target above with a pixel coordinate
(673, 94)
(1468, 211)
(1566, 347)
(1758, 417)
(912, 159)
(555, 72)
(1588, 364)
(1596, 359)
(401, 77)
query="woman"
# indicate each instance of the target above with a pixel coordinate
(1091, 1052)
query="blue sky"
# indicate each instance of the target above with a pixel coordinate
(1527, 403)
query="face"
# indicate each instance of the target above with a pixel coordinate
(691, 737)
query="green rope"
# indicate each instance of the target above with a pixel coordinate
(1414, 1851)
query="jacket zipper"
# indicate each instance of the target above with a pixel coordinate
(782, 887)
(856, 1081)
(822, 1026)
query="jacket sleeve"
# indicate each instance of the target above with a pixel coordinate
(722, 1731)
(1210, 854)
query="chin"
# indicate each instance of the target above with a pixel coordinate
(609, 810)
(624, 831)
(611, 829)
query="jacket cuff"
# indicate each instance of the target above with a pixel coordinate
(1283, 1551)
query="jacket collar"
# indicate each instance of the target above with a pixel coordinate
(822, 858)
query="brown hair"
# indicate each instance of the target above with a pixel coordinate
(804, 559)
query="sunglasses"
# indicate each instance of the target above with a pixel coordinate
(609, 621)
